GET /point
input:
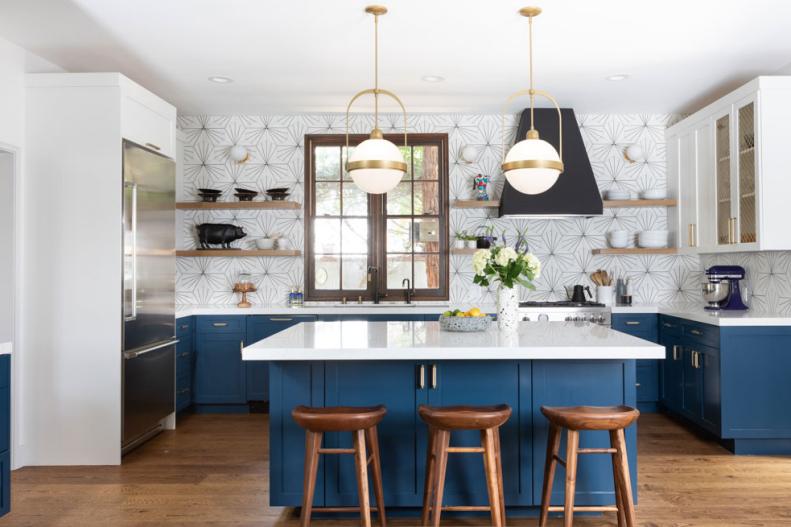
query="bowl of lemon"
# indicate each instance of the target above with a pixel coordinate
(471, 320)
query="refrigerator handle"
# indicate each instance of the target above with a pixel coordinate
(136, 353)
(132, 315)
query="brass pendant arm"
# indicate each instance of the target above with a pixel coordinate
(532, 93)
(375, 92)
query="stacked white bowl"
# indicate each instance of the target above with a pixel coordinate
(654, 193)
(652, 239)
(617, 195)
(618, 239)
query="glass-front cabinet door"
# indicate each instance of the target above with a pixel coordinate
(722, 168)
(746, 205)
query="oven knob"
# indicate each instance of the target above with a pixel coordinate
(543, 317)
(569, 319)
(601, 319)
(526, 318)
(576, 319)
(584, 317)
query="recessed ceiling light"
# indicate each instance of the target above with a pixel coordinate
(432, 78)
(618, 77)
(220, 80)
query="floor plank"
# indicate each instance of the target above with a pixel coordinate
(212, 471)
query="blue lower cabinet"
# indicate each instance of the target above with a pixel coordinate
(649, 374)
(185, 362)
(220, 376)
(672, 389)
(571, 383)
(402, 436)
(485, 383)
(5, 434)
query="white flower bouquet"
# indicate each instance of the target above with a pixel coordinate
(505, 265)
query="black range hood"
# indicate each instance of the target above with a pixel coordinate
(575, 193)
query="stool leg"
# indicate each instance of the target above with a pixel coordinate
(312, 445)
(441, 443)
(499, 453)
(376, 474)
(553, 448)
(623, 478)
(490, 466)
(572, 442)
(361, 464)
(431, 467)
(618, 493)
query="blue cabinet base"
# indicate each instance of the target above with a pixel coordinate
(759, 447)
(221, 408)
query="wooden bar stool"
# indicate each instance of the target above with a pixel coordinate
(574, 419)
(361, 422)
(441, 422)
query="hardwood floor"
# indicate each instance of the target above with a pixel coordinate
(212, 471)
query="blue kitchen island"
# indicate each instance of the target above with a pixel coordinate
(405, 364)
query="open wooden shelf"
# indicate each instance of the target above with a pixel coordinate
(454, 250)
(239, 252)
(636, 250)
(612, 204)
(237, 205)
(474, 204)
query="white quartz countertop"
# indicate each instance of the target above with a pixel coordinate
(6, 347)
(357, 340)
(694, 312)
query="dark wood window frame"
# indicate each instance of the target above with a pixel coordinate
(377, 222)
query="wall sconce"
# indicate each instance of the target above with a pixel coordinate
(239, 154)
(469, 153)
(634, 153)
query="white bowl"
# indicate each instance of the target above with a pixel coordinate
(618, 194)
(618, 239)
(283, 243)
(265, 243)
(652, 239)
(654, 193)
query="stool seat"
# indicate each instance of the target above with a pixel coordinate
(338, 418)
(464, 417)
(591, 417)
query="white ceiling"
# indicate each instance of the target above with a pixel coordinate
(312, 55)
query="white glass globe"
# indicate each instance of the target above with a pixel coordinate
(532, 180)
(377, 180)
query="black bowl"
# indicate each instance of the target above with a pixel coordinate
(209, 191)
(280, 190)
(279, 196)
(246, 191)
(245, 197)
(209, 198)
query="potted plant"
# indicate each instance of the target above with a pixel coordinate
(509, 269)
(461, 240)
(486, 240)
(472, 241)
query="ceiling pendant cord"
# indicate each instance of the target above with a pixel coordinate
(532, 130)
(376, 71)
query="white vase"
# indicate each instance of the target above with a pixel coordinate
(507, 308)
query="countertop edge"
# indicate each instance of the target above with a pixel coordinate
(6, 348)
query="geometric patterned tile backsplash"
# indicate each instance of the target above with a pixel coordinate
(564, 246)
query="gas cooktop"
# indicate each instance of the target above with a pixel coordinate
(560, 303)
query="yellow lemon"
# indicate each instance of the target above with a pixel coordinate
(474, 312)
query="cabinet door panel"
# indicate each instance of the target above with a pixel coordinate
(704, 233)
(402, 437)
(688, 196)
(219, 370)
(723, 178)
(746, 171)
(710, 388)
(691, 404)
(673, 378)
(484, 383)
(572, 383)
(647, 383)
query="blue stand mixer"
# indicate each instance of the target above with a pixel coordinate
(722, 291)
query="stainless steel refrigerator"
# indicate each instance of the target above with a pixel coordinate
(149, 299)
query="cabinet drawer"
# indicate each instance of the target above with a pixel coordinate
(184, 326)
(643, 325)
(669, 326)
(648, 383)
(233, 324)
(183, 398)
(701, 333)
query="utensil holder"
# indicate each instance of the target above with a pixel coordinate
(604, 294)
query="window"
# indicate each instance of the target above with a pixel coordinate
(403, 235)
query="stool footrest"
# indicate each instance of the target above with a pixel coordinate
(336, 451)
(560, 461)
(597, 451)
(340, 509)
(601, 508)
(465, 449)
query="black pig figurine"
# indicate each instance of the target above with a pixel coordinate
(218, 233)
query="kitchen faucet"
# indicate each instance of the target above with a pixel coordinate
(408, 290)
(373, 276)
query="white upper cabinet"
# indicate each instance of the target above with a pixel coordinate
(147, 120)
(730, 164)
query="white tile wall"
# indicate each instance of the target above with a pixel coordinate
(277, 159)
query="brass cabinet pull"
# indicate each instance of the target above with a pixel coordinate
(281, 319)
(155, 147)
(185, 354)
(185, 326)
(241, 348)
(433, 376)
(183, 391)
(421, 381)
(637, 384)
(696, 360)
(676, 350)
(692, 235)
(696, 332)
(219, 324)
(668, 325)
(632, 322)
(732, 230)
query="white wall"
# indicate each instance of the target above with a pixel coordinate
(15, 62)
(7, 252)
